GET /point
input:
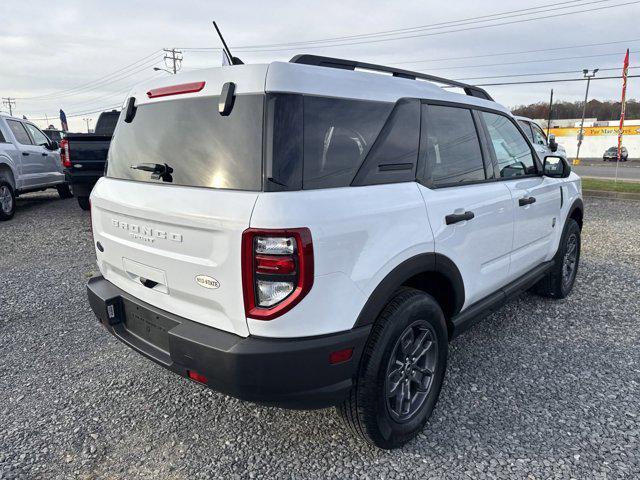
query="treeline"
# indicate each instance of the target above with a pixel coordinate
(595, 109)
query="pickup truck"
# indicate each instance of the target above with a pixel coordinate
(29, 162)
(85, 154)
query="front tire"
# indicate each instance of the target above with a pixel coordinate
(7, 201)
(560, 280)
(64, 191)
(401, 371)
(84, 203)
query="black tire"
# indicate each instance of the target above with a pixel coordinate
(370, 411)
(559, 282)
(84, 203)
(64, 191)
(7, 201)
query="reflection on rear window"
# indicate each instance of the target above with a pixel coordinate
(202, 147)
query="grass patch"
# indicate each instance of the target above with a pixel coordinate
(610, 185)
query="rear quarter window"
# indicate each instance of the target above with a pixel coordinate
(338, 134)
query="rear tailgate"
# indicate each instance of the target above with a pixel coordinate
(88, 152)
(185, 240)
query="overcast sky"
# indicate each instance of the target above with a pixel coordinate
(72, 54)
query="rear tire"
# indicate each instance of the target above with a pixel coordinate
(84, 203)
(560, 280)
(7, 201)
(64, 191)
(401, 371)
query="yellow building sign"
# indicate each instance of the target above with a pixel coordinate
(595, 131)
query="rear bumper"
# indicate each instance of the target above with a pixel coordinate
(290, 373)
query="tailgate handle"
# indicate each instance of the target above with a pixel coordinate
(148, 283)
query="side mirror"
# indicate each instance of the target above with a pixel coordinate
(53, 145)
(555, 166)
(553, 145)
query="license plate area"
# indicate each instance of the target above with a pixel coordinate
(148, 326)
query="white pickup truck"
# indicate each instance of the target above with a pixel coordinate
(29, 162)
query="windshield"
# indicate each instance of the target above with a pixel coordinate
(187, 142)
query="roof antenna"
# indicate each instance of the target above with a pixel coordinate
(231, 60)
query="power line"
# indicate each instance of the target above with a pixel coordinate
(546, 16)
(543, 60)
(432, 26)
(540, 50)
(417, 28)
(92, 83)
(556, 80)
(533, 74)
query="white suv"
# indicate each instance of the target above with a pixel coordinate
(308, 234)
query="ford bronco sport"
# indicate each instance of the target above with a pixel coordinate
(313, 233)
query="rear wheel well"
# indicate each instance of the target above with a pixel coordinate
(439, 287)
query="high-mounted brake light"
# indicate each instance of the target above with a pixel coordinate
(175, 89)
(277, 270)
(64, 153)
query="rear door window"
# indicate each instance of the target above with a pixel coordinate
(338, 134)
(189, 136)
(512, 151)
(22, 137)
(451, 145)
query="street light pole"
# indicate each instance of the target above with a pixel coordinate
(588, 76)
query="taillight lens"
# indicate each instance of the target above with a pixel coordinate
(64, 153)
(277, 270)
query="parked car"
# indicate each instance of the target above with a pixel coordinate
(305, 235)
(611, 154)
(544, 146)
(29, 162)
(84, 156)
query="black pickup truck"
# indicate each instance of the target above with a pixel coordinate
(84, 156)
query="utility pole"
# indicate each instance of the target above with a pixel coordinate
(588, 76)
(9, 102)
(87, 120)
(176, 59)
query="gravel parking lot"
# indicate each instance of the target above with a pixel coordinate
(542, 389)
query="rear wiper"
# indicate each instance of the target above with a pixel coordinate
(158, 170)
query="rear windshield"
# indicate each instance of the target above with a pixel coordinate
(190, 137)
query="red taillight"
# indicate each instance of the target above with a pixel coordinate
(275, 264)
(197, 377)
(277, 270)
(175, 89)
(64, 153)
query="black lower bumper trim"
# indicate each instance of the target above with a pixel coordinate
(290, 373)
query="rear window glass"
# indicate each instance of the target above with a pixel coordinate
(338, 134)
(204, 148)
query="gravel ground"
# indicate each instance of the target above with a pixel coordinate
(542, 389)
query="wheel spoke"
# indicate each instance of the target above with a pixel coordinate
(406, 342)
(418, 349)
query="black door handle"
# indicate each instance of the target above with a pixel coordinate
(458, 217)
(45, 154)
(526, 201)
(26, 154)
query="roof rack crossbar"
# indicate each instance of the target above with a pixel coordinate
(343, 64)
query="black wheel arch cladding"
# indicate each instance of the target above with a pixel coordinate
(424, 263)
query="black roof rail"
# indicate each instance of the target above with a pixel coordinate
(343, 64)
